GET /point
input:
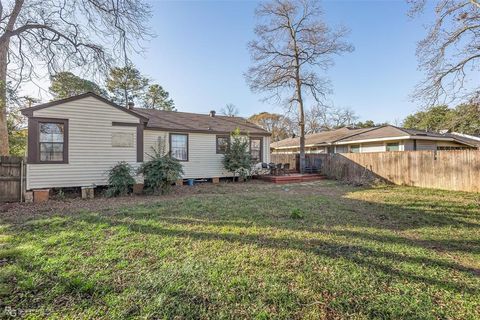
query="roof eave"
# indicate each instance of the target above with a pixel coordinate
(28, 112)
(264, 134)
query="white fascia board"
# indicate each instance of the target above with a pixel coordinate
(294, 147)
(466, 136)
(396, 138)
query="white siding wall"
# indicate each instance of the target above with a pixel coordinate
(426, 145)
(266, 149)
(90, 145)
(408, 145)
(372, 147)
(449, 144)
(203, 161)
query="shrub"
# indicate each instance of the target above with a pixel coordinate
(296, 213)
(120, 179)
(160, 172)
(237, 158)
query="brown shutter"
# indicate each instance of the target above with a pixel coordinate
(140, 143)
(33, 139)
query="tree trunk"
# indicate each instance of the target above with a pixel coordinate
(299, 98)
(301, 112)
(4, 46)
(302, 126)
(4, 147)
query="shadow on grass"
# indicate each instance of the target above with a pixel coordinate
(150, 220)
(355, 253)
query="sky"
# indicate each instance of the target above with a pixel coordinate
(200, 56)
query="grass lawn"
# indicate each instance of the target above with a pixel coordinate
(239, 251)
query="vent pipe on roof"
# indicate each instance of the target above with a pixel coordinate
(212, 113)
(130, 105)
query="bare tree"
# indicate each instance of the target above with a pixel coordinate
(342, 117)
(322, 117)
(278, 125)
(292, 45)
(229, 110)
(62, 35)
(317, 118)
(450, 53)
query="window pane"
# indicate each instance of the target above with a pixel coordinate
(355, 149)
(222, 144)
(393, 147)
(51, 132)
(178, 146)
(122, 139)
(51, 151)
(51, 141)
(255, 149)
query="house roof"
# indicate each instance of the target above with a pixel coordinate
(28, 112)
(465, 138)
(169, 120)
(194, 122)
(320, 138)
(387, 132)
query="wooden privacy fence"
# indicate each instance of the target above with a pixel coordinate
(289, 158)
(449, 170)
(294, 159)
(12, 178)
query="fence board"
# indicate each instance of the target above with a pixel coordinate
(10, 178)
(448, 169)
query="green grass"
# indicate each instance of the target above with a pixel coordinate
(243, 251)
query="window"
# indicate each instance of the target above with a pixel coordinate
(51, 141)
(452, 148)
(256, 149)
(355, 148)
(222, 144)
(394, 146)
(179, 146)
(341, 149)
(122, 139)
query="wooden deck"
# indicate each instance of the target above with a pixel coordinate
(292, 178)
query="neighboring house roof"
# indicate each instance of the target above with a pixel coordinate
(389, 131)
(320, 138)
(28, 112)
(194, 122)
(169, 120)
(382, 133)
(474, 140)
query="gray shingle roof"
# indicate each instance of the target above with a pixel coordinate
(348, 134)
(194, 122)
(320, 138)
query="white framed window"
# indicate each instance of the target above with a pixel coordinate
(122, 139)
(392, 146)
(256, 149)
(179, 146)
(355, 148)
(222, 143)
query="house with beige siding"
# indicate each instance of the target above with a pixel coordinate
(377, 139)
(74, 142)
